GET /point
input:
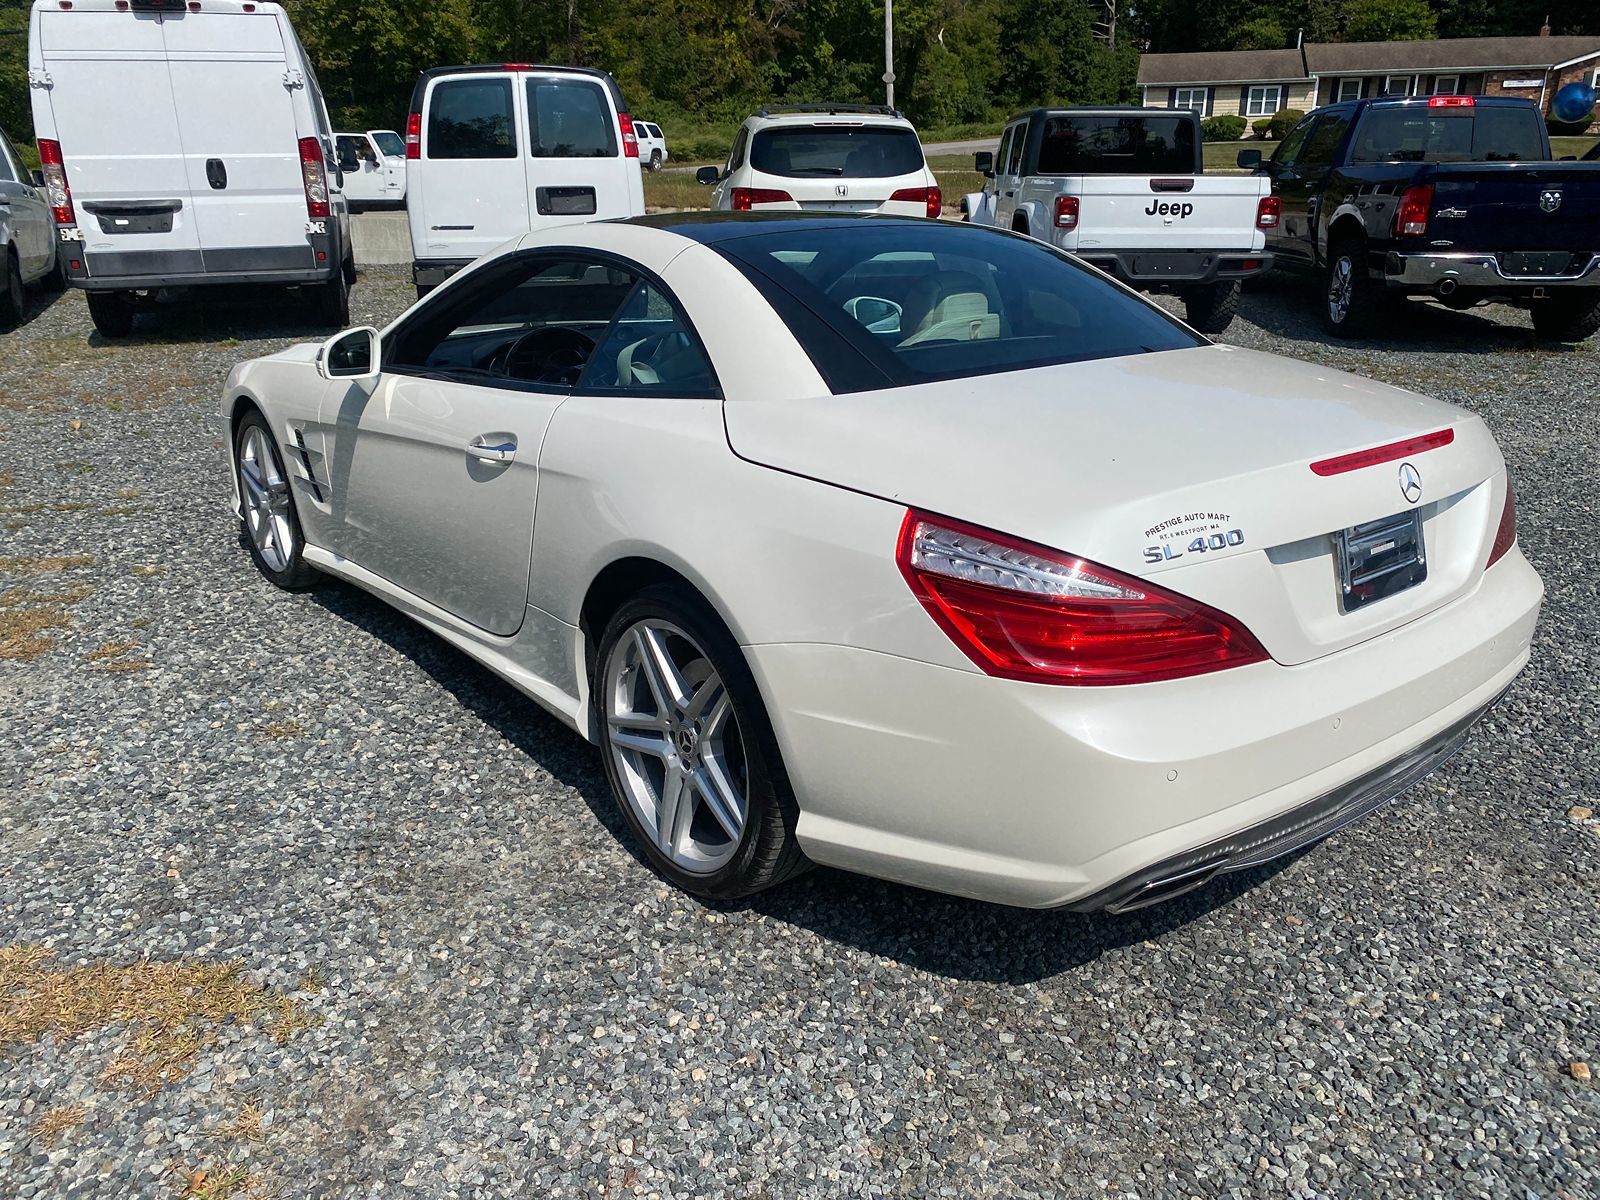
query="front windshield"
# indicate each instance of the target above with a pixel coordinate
(939, 301)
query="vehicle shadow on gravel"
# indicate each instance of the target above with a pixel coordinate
(946, 935)
(218, 313)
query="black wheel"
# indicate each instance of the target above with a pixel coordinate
(350, 271)
(1210, 309)
(13, 301)
(56, 279)
(333, 301)
(689, 750)
(1570, 318)
(112, 313)
(655, 160)
(266, 501)
(1350, 299)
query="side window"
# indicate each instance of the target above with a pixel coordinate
(650, 348)
(1018, 138)
(471, 118)
(1004, 152)
(569, 118)
(10, 164)
(736, 155)
(533, 320)
(1288, 153)
(1324, 141)
(348, 157)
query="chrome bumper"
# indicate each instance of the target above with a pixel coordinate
(1475, 271)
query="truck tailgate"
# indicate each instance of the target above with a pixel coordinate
(1131, 212)
(1513, 208)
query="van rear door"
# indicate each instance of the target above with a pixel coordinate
(470, 192)
(575, 164)
(232, 87)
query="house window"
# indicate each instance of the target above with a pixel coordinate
(1263, 101)
(1349, 89)
(1194, 98)
(1398, 85)
(1446, 85)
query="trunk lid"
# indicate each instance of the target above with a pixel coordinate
(1187, 212)
(1127, 461)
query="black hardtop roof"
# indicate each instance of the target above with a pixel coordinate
(1095, 110)
(433, 73)
(711, 227)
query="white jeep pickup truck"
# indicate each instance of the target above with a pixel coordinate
(1123, 189)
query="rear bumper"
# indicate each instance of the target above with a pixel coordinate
(434, 271)
(143, 270)
(1467, 270)
(1177, 268)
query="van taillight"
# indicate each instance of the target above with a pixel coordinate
(931, 199)
(1269, 212)
(414, 135)
(315, 176)
(630, 140)
(56, 187)
(1067, 212)
(1411, 217)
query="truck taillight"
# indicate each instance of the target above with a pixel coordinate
(743, 199)
(1451, 102)
(630, 139)
(1066, 212)
(315, 176)
(1506, 535)
(1411, 217)
(1024, 611)
(414, 135)
(931, 199)
(1269, 212)
(56, 186)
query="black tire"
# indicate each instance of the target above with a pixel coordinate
(655, 160)
(424, 288)
(333, 301)
(350, 271)
(767, 853)
(1210, 309)
(112, 313)
(55, 280)
(13, 300)
(1351, 301)
(1570, 318)
(295, 574)
(1019, 224)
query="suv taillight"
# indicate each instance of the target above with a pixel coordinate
(1024, 611)
(931, 199)
(315, 177)
(414, 135)
(1505, 536)
(630, 139)
(1269, 212)
(56, 186)
(1066, 212)
(1411, 217)
(743, 199)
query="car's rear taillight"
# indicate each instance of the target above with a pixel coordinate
(1506, 535)
(1411, 217)
(414, 135)
(743, 199)
(1269, 212)
(931, 199)
(1067, 212)
(315, 176)
(56, 186)
(630, 139)
(1024, 611)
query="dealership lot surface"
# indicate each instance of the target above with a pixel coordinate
(481, 990)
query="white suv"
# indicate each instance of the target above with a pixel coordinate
(838, 158)
(652, 144)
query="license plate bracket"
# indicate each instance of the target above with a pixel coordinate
(1380, 558)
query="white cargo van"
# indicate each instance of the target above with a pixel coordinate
(494, 151)
(184, 143)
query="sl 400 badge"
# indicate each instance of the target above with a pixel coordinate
(1191, 533)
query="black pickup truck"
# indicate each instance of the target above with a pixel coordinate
(1450, 197)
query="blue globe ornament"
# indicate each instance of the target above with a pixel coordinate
(1573, 103)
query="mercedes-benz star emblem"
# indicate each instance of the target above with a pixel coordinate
(1550, 199)
(1410, 483)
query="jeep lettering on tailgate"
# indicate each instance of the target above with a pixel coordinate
(1169, 208)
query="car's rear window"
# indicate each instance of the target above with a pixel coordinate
(569, 118)
(471, 118)
(1135, 144)
(847, 151)
(880, 305)
(1417, 134)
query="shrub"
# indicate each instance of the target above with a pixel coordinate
(1226, 128)
(1263, 127)
(1282, 121)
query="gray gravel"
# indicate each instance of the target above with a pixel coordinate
(511, 1004)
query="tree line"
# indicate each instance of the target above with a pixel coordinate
(700, 66)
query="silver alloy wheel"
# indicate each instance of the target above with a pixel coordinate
(265, 492)
(1341, 282)
(676, 745)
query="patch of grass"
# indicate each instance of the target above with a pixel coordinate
(147, 569)
(57, 506)
(285, 728)
(170, 1009)
(75, 468)
(115, 658)
(247, 1125)
(7, 479)
(57, 1121)
(110, 650)
(228, 1183)
(45, 564)
(27, 618)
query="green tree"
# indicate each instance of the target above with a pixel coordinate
(1389, 21)
(1260, 33)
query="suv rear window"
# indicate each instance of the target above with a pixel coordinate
(851, 151)
(880, 305)
(1136, 144)
(569, 118)
(471, 118)
(1418, 134)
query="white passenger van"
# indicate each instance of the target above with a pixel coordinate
(184, 143)
(494, 151)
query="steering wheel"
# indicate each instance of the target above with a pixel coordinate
(554, 355)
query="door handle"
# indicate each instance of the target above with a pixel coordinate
(216, 174)
(493, 451)
(1009, 195)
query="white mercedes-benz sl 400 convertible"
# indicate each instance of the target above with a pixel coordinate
(916, 549)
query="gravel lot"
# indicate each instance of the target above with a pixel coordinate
(482, 991)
